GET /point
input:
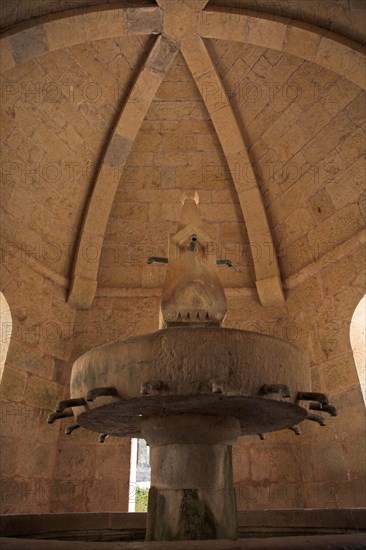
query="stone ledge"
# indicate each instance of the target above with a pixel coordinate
(306, 521)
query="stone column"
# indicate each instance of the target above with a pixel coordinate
(192, 495)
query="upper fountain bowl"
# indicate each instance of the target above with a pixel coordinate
(201, 370)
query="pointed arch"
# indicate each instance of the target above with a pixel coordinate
(85, 271)
(214, 95)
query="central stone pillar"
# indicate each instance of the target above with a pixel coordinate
(192, 494)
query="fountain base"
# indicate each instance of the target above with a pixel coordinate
(192, 494)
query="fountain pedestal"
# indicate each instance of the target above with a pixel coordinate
(192, 495)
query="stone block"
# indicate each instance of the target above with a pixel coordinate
(220, 24)
(64, 33)
(29, 357)
(314, 119)
(162, 55)
(174, 158)
(354, 456)
(13, 383)
(40, 394)
(173, 21)
(284, 465)
(342, 59)
(356, 110)
(7, 454)
(168, 176)
(290, 143)
(306, 295)
(180, 91)
(232, 232)
(352, 493)
(226, 195)
(82, 292)
(118, 151)
(301, 41)
(171, 111)
(28, 44)
(178, 73)
(102, 25)
(224, 212)
(337, 275)
(177, 142)
(292, 115)
(170, 212)
(235, 77)
(228, 132)
(266, 33)
(157, 127)
(329, 466)
(321, 206)
(76, 463)
(241, 461)
(109, 460)
(297, 195)
(129, 277)
(6, 56)
(148, 142)
(270, 290)
(135, 110)
(34, 460)
(335, 230)
(339, 373)
(298, 223)
(352, 148)
(144, 20)
(133, 212)
(336, 94)
(348, 185)
(197, 56)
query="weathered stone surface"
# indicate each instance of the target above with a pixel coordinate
(191, 475)
(28, 43)
(145, 20)
(118, 151)
(303, 124)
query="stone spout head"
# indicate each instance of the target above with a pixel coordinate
(192, 293)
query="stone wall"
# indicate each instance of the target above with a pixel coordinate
(303, 124)
(92, 476)
(34, 379)
(44, 470)
(324, 467)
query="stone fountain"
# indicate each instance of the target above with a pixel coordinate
(191, 390)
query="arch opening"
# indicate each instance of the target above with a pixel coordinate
(6, 331)
(358, 344)
(140, 476)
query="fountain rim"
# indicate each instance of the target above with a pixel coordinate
(166, 330)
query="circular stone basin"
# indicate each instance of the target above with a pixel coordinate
(200, 370)
(256, 415)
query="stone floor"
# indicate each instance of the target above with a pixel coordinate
(318, 542)
(259, 529)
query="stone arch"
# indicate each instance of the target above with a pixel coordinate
(357, 338)
(6, 331)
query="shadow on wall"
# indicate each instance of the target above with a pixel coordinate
(6, 329)
(358, 344)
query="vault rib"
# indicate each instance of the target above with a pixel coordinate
(214, 95)
(86, 261)
(341, 55)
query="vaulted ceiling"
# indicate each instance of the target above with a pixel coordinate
(108, 114)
